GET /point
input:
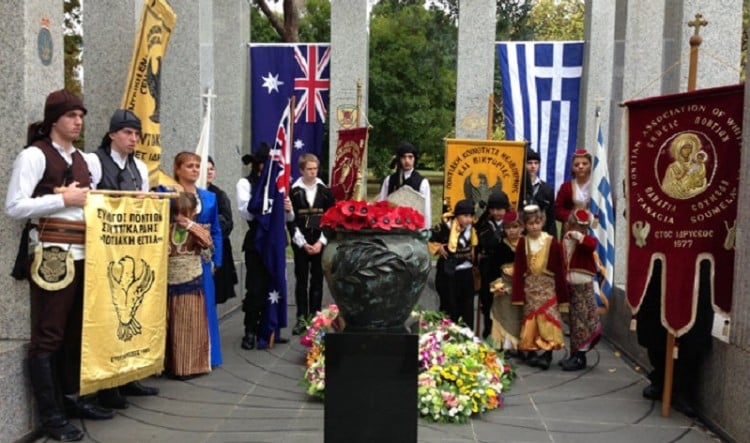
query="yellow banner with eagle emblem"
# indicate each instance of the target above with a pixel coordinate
(143, 86)
(475, 168)
(125, 290)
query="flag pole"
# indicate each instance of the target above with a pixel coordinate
(362, 179)
(695, 42)
(490, 108)
(290, 144)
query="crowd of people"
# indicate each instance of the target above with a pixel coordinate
(530, 280)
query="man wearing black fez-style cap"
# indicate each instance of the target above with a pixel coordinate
(257, 276)
(405, 162)
(537, 192)
(49, 183)
(114, 165)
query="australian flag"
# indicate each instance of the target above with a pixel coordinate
(267, 205)
(541, 83)
(280, 71)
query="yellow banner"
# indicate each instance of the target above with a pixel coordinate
(475, 168)
(143, 87)
(125, 290)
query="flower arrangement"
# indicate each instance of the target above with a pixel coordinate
(356, 215)
(326, 320)
(459, 375)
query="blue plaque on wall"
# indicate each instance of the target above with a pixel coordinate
(44, 46)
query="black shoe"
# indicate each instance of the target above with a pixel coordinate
(652, 392)
(532, 359)
(89, 410)
(249, 341)
(64, 432)
(575, 363)
(281, 340)
(544, 360)
(136, 389)
(299, 329)
(112, 398)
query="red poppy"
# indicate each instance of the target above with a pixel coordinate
(356, 215)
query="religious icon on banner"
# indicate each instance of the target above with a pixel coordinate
(683, 180)
(476, 168)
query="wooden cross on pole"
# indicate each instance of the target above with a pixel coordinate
(695, 41)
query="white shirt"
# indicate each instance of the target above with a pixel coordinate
(95, 167)
(244, 189)
(424, 189)
(244, 192)
(28, 170)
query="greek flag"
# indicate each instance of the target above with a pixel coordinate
(601, 207)
(541, 82)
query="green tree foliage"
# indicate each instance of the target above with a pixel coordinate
(315, 21)
(261, 30)
(72, 52)
(412, 81)
(72, 45)
(312, 22)
(557, 19)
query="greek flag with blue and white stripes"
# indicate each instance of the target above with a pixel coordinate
(541, 83)
(602, 209)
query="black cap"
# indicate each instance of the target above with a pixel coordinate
(403, 149)
(260, 155)
(498, 200)
(464, 207)
(532, 155)
(122, 118)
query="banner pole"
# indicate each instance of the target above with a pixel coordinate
(695, 42)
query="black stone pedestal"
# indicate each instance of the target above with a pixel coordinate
(371, 387)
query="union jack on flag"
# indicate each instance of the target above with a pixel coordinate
(541, 83)
(278, 72)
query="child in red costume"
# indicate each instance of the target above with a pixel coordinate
(585, 325)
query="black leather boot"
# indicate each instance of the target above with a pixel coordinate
(249, 341)
(532, 359)
(84, 406)
(112, 398)
(299, 327)
(544, 360)
(576, 362)
(54, 421)
(137, 389)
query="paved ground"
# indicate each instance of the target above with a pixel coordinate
(255, 396)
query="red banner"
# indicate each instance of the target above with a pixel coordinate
(683, 175)
(346, 175)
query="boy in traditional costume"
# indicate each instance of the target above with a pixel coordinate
(453, 241)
